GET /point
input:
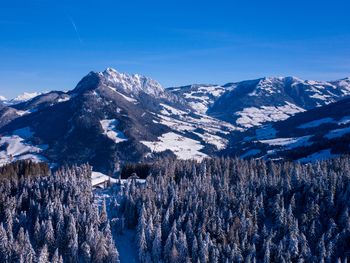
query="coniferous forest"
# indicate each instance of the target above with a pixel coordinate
(51, 217)
(230, 210)
(219, 210)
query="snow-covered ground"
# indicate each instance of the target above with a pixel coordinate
(168, 110)
(319, 90)
(202, 96)
(183, 147)
(253, 116)
(266, 87)
(110, 130)
(20, 98)
(15, 148)
(180, 142)
(67, 98)
(183, 121)
(25, 112)
(26, 96)
(125, 242)
(217, 141)
(288, 143)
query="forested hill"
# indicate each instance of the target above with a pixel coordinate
(229, 210)
(52, 218)
(219, 210)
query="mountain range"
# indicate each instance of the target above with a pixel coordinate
(111, 116)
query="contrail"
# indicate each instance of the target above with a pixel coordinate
(76, 29)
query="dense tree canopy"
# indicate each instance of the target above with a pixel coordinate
(230, 210)
(51, 218)
(219, 210)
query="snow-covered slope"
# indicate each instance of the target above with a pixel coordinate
(132, 84)
(115, 116)
(256, 116)
(199, 97)
(111, 116)
(18, 146)
(110, 130)
(319, 133)
(255, 102)
(25, 96)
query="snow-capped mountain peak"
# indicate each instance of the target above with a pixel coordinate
(134, 83)
(25, 96)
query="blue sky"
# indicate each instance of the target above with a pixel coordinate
(46, 45)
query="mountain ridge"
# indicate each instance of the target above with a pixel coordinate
(111, 116)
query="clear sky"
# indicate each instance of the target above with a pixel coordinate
(46, 45)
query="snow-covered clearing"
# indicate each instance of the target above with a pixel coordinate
(189, 123)
(200, 106)
(109, 129)
(210, 131)
(266, 87)
(168, 110)
(125, 242)
(218, 142)
(64, 99)
(253, 116)
(288, 143)
(183, 147)
(201, 97)
(323, 97)
(22, 113)
(15, 148)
